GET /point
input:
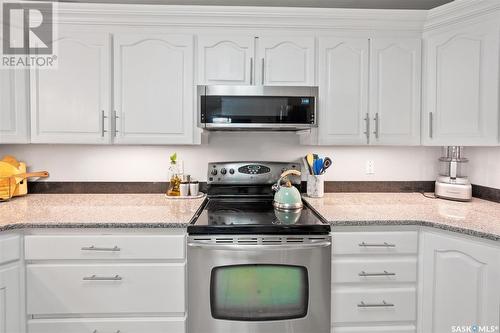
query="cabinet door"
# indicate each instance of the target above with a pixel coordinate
(343, 91)
(70, 104)
(395, 86)
(286, 61)
(10, 300)
(226, 60)
(13, 106)
(461, 283)
(153, 88)
(462, 87)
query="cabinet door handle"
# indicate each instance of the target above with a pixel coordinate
(377, 120)
(367, 126)
(384, 273)
(103, 123)
(431, 125)
(251, 70)
(96, 331)
(384, 244)
(115, 117)
(263, 70)
(95, 248)
(102, 278)
(384, 304)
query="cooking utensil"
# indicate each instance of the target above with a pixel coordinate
(306, 164)
(20, 176)
(310, 162)
(318, 165)
(326, 164)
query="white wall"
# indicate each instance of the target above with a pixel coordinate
(484, 168)
(149, 163)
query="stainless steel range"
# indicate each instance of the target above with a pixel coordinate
(251, 268)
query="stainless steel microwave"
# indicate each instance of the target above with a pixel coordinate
(257, 108)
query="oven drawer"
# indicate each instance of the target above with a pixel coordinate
(376, 329)
(369, 270)
(105, 325)
(396, 242)
(95, 247)
(110, 288)
(360, 305)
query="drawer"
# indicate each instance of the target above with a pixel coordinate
(46, 247)
(110, 288)
(10, 248)
(395, 242)
(370, 270)
(125, 325)
(376, 329)
(359, 305)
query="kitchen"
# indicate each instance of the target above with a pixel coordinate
(141, 95)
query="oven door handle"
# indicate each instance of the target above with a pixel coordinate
(260, 247)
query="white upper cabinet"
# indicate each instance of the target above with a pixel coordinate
(153, 88)
(395, 86)
(286, 61)
(461, 280)
(343, 91)
(14, 106)
(226, 60)
(70, 104)
(462, 86)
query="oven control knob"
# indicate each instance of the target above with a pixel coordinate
(223, 171)
(214, 172)
(231, 171)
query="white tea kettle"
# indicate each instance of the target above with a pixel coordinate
(287, 196)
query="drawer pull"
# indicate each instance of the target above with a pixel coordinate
(95, 248)
(102, 278)
(384, 244)
(384, 273)
(384, 304)
(96, 331)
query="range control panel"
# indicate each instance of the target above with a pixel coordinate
(248, 173)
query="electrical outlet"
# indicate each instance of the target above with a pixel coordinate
(370, 167)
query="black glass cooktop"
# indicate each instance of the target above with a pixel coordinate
(254, 216)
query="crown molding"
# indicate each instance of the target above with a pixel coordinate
(241, 17)
(460, 12)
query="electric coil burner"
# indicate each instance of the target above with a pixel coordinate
(252, 268)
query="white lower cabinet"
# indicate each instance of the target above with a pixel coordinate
(374, 281)
(10, 299)
(11, 282)
(105, 288)
(373, 304)
(461, 283)
(130, 282)
(125, 325)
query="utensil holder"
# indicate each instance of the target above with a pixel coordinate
(315, 186)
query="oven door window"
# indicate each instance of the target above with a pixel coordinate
(259, 292)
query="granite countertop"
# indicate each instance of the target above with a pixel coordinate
(478, 218)
(97, 210)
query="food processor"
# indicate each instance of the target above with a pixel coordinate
(452, 182)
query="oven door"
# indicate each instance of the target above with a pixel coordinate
(259, 284)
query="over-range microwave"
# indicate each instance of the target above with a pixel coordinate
(257, 108)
